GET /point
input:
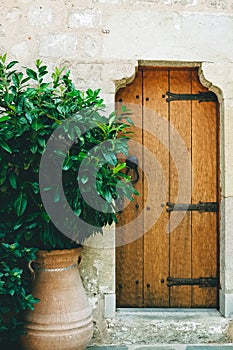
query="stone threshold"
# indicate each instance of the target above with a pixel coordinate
(168, 312)
(166, 347)
(165, 329)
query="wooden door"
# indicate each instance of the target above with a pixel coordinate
(155, 266)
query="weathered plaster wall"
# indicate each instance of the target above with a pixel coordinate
(101, 42)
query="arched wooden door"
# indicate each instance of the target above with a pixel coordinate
(180, 268)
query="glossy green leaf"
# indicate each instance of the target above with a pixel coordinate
(4, 118)
(118, 168)
(108, 196)
(56, 198)
(5, 146)
(31, 73)
(78, 211)
(31, 226)
(84, 179)
(3, 58)
(31, 217)
(11, 64)
(35, 187)
(36, 125)
(45, 216)
(29, 117)
(110, 158)
(129, 120)
(34, 148)
(41, 142)
(67, 164)
(18, 224)
(20, 204)
(13, 180)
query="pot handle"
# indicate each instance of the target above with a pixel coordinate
(79, 260)
(33, 274)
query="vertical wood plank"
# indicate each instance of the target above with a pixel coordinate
(204, 225)
(180, 238)
(155, 84)
(129, 256)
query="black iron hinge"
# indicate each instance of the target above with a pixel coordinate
(206, 96)
(202, 282)
(201, 207)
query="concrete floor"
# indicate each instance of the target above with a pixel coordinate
(165, 330)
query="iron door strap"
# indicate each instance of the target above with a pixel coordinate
(202, 207)
(205, 96)
(202, 282)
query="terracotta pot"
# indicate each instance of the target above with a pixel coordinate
(62, 319)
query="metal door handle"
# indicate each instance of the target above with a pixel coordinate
(132, 164)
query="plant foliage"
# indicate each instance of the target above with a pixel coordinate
(14, 295)
(32, 107)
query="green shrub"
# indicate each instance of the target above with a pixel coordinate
(14, 290)
(32, 106)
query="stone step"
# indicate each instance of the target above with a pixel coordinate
(166, 347)
(158, 327)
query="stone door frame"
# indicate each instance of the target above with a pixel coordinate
(217, 78)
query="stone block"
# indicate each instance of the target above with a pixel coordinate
(40, 15)
(228, 146)
(155, 34)
(230, 331)
(109, 100)
(88, 73)
(85, 75)
(93, 302)
(118, 70)
(2, 31)
(85, 18)
(167, 3)
(217, 4)
(98, 266)
(214, 74)
(210, 347)
(226, 304)
(25, 1)
(21, 50)
(110, 347)
(109, 305)
(161, 347)
(228, 242)
(58, 45)
(107, 2)
(88, 47)
(14, 15)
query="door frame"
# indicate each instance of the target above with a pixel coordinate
(225, 306)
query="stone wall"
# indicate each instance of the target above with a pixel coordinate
(86, 34)
(102, 42)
